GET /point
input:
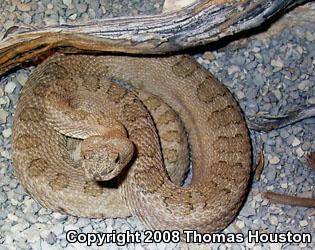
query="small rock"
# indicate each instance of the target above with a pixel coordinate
(51, 238)
(277, 94)
(59, 216)
(50, 6)
(311, 100)
(82, 7)
(256, 49)
(240, 94)
(67, 2)
(22, 78)
(284, 133)
(274, 160)
(45, 245)
(8, 24)
(10, 87)
(7, 133)
(58, 229)
(275, 246)
(208, 56)
(19, 227)
(50, 21)
(273, 220)
(3, 116)
(87, 229)
(3, 198)
(292, 212)
(302, 245)
(296, 142)
(277, 63)
(31, 234)
(310, 36)
(61, 20)
(240, 224)
(6, 154)
(73, 16)
(14, 202)
(249, 245)
(12, 217)
(70, 227)
(233, 69)
(23, 6)
(299, 151)
(302, 85)
(303, 223)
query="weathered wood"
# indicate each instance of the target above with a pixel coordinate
(289, 199)
(267, 123)
(202, 22)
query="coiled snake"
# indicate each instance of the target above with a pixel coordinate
(82, 97)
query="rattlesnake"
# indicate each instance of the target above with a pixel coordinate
(69, 90)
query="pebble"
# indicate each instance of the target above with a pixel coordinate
(284, 133)
(82, 7)
(240, 95)
(51, 238)
(249, 245)
(59, 217)
(23, 7)
(311, 100)
(7, 133)
(275, 246)
(273, 220)
(67, 2)
(299, 151)
(12, 217)
(73, 17)
(209, 56)
(303, 85)
(19, 227)
(303, 223)
(233, 69)
(50, 6)
(277, 63)
(3, 116)
(274, 160)
(310, 36)
(8, 24)
(58, 229)
(296, 142)
(22, 78)
(10, 87)
(240, 224)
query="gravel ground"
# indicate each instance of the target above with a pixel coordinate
(267, 73)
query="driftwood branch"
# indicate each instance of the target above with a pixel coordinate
(269, 123)
(203, 22)
(289, 200)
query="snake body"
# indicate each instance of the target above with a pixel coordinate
(217, 135)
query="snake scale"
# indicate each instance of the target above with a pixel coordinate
(82, 96)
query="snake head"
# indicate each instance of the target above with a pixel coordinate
(104, 157)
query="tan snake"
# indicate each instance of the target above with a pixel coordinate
(78, 96)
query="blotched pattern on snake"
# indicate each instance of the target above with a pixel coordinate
(83, 97)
